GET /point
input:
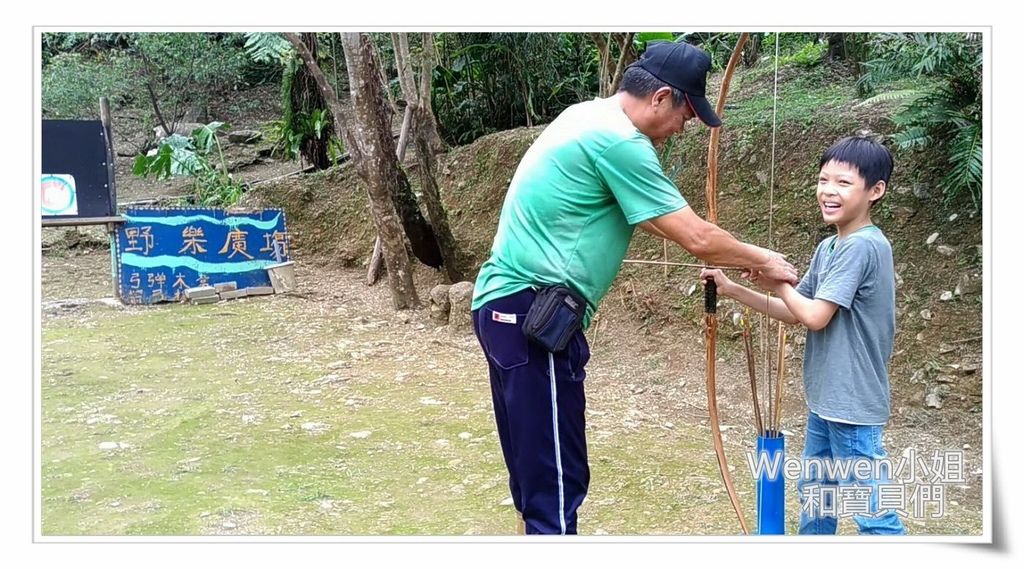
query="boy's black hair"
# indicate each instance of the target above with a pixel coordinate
(638, 82)
(872, 160)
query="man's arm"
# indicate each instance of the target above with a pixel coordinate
(650, 228)
(715, 245)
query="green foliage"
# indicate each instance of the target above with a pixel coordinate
(718, 45)
(289, 135)
(641, 39)
(305, 129)
(91, 44)
(856, 46)
(809, 55)
(175, 156)
(897, 95)
(72, 84)
(265, 47)
(182, 69)
(190, 156)
(793, 48)
(789, 43)
(803, 98)
(186, 68)
(267, 52)
(486, 82)
(942, 109)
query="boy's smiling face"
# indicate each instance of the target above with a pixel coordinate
(843, 198)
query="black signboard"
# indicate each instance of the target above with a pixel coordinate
(77, 176)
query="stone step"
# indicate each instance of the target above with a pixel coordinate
(200, 292)
(206, 300)
(233, 294)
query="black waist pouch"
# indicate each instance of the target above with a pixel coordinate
(555, 315)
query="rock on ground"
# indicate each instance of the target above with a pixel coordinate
(460, 295)
(440, 304)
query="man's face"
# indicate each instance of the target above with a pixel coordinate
(666, 118)
(842, 195)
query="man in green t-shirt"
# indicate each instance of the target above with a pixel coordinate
(580, 190)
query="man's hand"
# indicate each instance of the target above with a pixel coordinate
(776, 268)
(714, 245)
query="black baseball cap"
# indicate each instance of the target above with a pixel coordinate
(684, 67)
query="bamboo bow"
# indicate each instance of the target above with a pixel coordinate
(711, 292)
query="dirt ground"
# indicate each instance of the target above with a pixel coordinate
(326, 412)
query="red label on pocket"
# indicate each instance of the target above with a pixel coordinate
(501, 317)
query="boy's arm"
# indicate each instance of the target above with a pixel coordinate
(776, 308)
(814, 313)
(788, 305)
(851, 263)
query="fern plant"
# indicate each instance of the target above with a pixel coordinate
(289, 135)
(305, 130)
(943, 110)
(190, 156)
(267, 47)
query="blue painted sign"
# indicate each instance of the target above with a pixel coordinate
(163, 251)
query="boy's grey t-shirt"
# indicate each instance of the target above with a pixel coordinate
(846, 363)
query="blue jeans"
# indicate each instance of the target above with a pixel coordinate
(830, 440)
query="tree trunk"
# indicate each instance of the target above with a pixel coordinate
(339, 120)
(611, 68)
(427, 143)
(373, 136)
(305, 97)
(417, 95)
(429, 124)
(836, 47)
(400, 44)
(455, 265)
(419, 232)
(627, 55)
(392, 105)
(753, 51)
(604, 52)
(418, 100)
(417, 229)
(403, 137)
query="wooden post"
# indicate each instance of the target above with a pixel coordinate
(114, 276)
(664, 248)
(108, 131)
(376, 260)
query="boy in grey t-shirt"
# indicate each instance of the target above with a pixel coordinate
(847, 301)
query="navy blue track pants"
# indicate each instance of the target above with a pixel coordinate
(539, 408)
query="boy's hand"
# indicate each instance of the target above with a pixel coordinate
(724, 284)
(766, 283)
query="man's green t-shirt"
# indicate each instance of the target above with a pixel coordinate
(573, 203)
